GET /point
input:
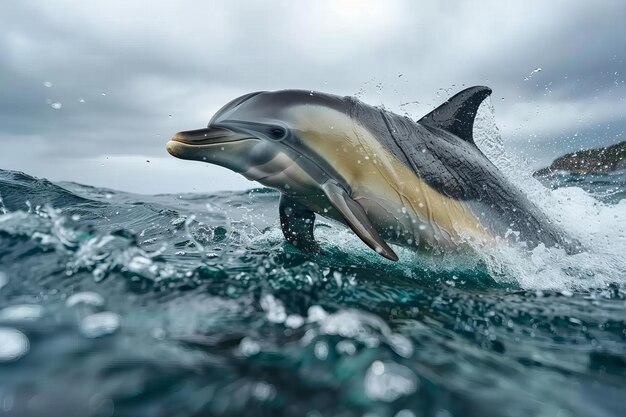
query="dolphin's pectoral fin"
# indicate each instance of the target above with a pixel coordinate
(357, 219)
(457, 114)
(297, 223)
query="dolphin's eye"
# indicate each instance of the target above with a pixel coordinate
(277, 133)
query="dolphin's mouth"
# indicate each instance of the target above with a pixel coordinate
(209, 136)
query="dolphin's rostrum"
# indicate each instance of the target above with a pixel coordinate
(421, 184)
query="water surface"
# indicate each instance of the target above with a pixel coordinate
(128, 305)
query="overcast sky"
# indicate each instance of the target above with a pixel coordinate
(91, 90)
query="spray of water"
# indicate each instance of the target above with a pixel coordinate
(600, 227)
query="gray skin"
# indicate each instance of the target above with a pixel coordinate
(423, 184)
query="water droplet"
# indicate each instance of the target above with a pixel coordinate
(388, 381)
(56, 105)
(179, 221)
(249, 347)
(47, 84)
(401, 345)
(346, 347)
(13, 344)
(274, 309)
(533, 72)
(294, 321)
(100, 324)
(81, 100)
(316, 314)
(263, 391)
(337, 277)
(321, 350)
(20, 312)
(86, 297)
(104, 94)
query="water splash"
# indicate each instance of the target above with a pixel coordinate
(599, 226)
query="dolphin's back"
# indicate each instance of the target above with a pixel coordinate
(456, 168)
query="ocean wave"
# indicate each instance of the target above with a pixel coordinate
(146, 301)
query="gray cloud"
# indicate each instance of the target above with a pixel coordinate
(185, 59)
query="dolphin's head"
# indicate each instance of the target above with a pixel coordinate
(258, 136)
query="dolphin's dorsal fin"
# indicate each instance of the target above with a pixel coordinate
(457, 114)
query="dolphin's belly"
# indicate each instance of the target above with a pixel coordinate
(402, 226)
(398, 222)
(407, 212)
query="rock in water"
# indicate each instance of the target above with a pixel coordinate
(611, 158)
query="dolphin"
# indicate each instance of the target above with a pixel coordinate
(420, 184)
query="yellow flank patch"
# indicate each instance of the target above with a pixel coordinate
(370, 169)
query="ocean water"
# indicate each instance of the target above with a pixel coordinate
(114, 304)
(193, 305)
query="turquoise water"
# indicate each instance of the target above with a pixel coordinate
(193, 305)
